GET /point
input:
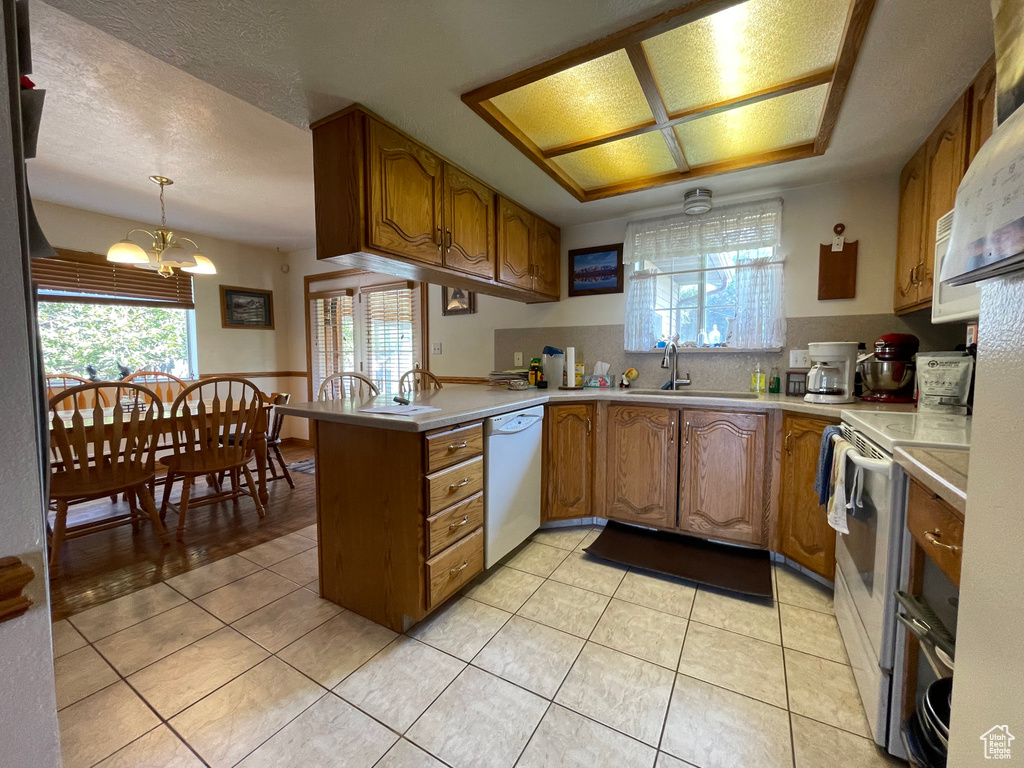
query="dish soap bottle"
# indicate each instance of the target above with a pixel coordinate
(774, 382)
(715, 337)
(757, 379)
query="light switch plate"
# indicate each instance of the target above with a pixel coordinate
(517, 360)
(435, 348)
(799, 358)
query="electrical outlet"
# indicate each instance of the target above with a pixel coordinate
(517, 360)
(435, 348)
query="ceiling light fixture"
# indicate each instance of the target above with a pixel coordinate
(697, 201)
(166, 252)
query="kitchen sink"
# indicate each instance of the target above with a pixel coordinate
(696, 393)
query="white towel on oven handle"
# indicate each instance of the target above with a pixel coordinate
(856, 493)
(837, 502)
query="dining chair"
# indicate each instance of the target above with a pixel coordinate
(274, 438)
(166, 385)
(347, 385)
(56, 383)
(418, 380)
(215, 421)
(99, 452)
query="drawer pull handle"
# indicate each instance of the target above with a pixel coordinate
(456, 571)
(455, 486)
(457, 446)
(462, 522)
(932, 537)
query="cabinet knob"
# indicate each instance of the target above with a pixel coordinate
(457, 446)
(456, 571)
(788, 436)
(590, 425)
(462, 522)
(452, 488)
(448, 248)
(687, 436)
(439, 239)
(932, 537)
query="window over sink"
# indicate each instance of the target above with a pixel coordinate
(708, 281)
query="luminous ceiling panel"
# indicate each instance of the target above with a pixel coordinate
(745, 49)
(618, 161)
(784, 121)
(592, 99)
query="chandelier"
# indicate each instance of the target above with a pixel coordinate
(166, 253)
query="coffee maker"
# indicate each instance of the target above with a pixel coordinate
(832, 374)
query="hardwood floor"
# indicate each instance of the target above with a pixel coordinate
(103, 566)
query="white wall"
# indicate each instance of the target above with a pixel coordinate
(868, 208)
(989, 680)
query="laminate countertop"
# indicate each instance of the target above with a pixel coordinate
(460, 403)
(943, 471)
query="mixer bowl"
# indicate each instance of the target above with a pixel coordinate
(886, 375)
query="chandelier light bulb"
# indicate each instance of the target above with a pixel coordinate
(127, 252)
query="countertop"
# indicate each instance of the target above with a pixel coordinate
(467, 402)
(941, 470)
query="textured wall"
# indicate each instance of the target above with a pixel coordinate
(717, 370)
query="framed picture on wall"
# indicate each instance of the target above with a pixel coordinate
(246, 308)
(456, 301)
(594, 271)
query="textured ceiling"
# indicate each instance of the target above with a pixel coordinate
(410, 61)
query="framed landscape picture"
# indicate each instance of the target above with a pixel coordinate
(593, 271)
(456, 301)
(246, 308)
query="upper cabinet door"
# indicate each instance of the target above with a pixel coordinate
(910, 238)
(641, 465)
(547, 257)
(947, 163)
(515, 244)
(983, 107)
(468, 224)
(569, 461)
(721, 491)
(405, 196)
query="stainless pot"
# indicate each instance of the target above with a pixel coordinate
(886, 375)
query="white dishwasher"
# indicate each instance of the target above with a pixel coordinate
(512, 463)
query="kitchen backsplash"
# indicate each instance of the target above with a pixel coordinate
(717, 369)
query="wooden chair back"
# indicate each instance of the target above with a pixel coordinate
(347, 385)
(214, 422)
(95, 453)
(418, 380)
(277, 421)
(167, 386)
(57, 383)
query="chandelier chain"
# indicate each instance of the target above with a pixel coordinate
(163, 217)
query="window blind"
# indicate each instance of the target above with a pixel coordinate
(392, 333)
(333, 336)
(88, 278)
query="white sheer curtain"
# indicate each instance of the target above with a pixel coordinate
(749, 232)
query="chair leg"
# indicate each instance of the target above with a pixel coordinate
(168, 484)
(284, 467)
(133, 505)
(60, 525)
(146, 498)
(270, 465)
(186, 489)
(253, 490)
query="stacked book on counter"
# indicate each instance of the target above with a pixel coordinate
(513, 374)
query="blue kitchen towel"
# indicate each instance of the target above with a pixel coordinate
(821, 480)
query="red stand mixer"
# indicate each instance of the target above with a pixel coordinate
(889, 372)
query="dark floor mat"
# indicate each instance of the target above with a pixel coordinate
(307, 467)
(718, 565)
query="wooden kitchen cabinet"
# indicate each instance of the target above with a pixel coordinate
(722, 476)
(469, 223)
(386, 203)
(910, 236)
(805, 535)
(569, 461)
(642, 465)
(983, 108)
(405, 196)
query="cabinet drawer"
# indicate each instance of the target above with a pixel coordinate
(937, 529)
(455, 484)
(447, 448)
(449, 571)
(454, 523)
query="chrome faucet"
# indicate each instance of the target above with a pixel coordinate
(674, 382)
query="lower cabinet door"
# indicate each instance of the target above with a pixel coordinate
(568, 461)
(722, 476)
(640, 479)
(804, 532)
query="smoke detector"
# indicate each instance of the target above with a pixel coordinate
(697, 201)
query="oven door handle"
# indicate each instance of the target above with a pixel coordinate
(882, 466)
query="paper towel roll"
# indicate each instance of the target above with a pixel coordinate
(570, 366)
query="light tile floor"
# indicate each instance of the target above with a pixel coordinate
(553, 659)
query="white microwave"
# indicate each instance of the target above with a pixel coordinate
(951, 303)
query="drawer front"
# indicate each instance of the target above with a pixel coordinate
(449, 571)
(454, 523)
(452, 485)
(447, 448)
(936, 529)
